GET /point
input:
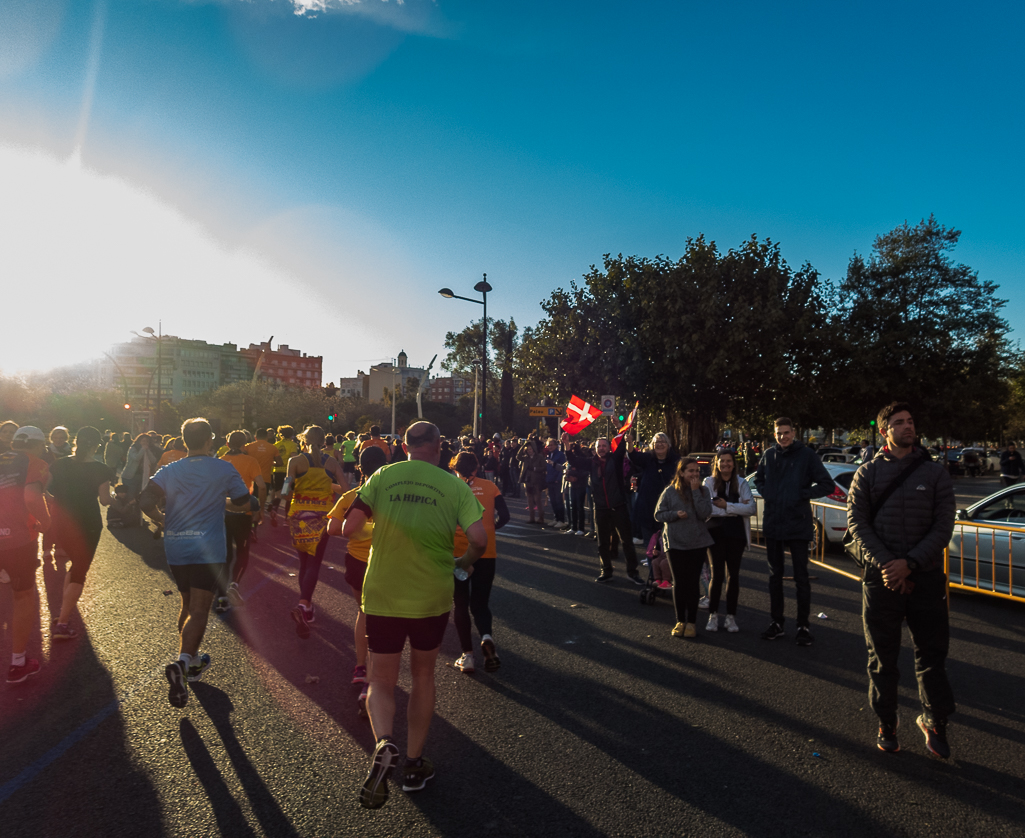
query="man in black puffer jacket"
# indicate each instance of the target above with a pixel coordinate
(789, 476)
(902, 546)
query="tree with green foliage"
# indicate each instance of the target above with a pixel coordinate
(916, 326)
(706, 338)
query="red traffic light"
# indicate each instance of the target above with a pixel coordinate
(127, 406)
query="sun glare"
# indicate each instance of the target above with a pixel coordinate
(88, 257)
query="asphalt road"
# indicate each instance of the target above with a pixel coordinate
(598, 722)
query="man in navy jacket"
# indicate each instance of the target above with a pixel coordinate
(789, 476)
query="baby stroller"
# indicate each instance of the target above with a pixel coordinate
(651, 589)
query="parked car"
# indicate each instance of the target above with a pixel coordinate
(833, 516)
(992, 559)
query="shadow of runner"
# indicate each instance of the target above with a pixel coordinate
(230, 819)
(218, 707)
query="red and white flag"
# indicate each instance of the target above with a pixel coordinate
(629, 423)
(579, 414)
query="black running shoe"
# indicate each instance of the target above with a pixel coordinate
(773, 632)
(887, 738)
(302, 626)
(415, 777)
(935, 737)
(604, 577)
(804, 637)
(373, 794)
(636, 578)
(178, 694)
(491, 659)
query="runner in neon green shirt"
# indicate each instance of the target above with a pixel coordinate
(407, 593)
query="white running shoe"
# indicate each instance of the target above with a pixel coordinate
(638, 542)
(464, 663)
(580, 532)
(703, 603)
(731, 623)
(713, 623)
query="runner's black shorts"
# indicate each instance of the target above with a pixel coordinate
(387, 635)
(279, 481)
(202, 577)
(349, 468)
(355, 570)
(20, 564)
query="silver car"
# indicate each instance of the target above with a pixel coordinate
(830, 517)
(993, 560)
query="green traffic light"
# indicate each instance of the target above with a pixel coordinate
(872, 423)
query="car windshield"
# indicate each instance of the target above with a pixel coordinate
(1005, 509)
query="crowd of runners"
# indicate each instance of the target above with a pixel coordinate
(419, 518)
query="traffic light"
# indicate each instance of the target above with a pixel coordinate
(622, 418)
(331, 417)
(871, 423)
(127, 406)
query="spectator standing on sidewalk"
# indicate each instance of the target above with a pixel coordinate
(555, 464)
(789, 477)
(1011, 467)
(611, 513)
(656, 468)
(902, 530)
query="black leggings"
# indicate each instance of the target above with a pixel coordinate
(471, 597)
(686, 567)
(237, 529)
(309, 569)
(726, 555)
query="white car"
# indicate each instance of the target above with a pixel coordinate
(991, 559)
(831, 515)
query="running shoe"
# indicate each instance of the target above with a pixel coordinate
(235, 595)
(359, 675)
(886, 740)
(464, 663)
(713, 623)
(731, 623)
(636, 578)
(804, 637)
(604, 577)
(373, 794)
(638, 542)
(361, 702)
(17, 674)
(690, 631)
(415, 777)
(665, 585)
(302, 626)
(491, 659)
(222, 605)
(580, 532)
(198, 666)
(703, 603)
(678, 630)
(178, 694)
(62, 631)
(935, 737)
(311, 615)
(773, 632)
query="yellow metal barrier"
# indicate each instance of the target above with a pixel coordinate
(981, 566)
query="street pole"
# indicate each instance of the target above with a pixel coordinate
(160, 369)
(394, 370)
(476, 396)
(484, 362)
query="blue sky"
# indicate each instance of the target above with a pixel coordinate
(240, 170)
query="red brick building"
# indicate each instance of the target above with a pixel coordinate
(284, 366)
(449, 389)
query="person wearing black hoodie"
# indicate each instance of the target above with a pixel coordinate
(789, 476)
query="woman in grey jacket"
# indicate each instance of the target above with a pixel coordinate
(682, 510)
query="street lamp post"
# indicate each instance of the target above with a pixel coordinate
(158, 337)
(482, 288)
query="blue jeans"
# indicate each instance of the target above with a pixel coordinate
(774, 554)
(555, 495)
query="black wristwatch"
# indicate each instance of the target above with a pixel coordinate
(912, 564)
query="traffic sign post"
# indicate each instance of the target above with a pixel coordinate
(608, 405)
(545, 411)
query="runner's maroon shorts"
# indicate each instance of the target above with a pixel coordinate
(387, 635)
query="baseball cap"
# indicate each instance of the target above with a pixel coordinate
(29, 433)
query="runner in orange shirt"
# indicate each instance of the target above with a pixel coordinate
(268, 456)
(174, 450)
(239, 525)
(375, 439)
(471, 595)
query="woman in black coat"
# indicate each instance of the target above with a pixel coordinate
(655, 471)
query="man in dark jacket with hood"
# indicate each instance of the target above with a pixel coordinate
(902, 543)
(789, 476)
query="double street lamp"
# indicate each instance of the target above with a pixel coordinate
(158, 337)
(482, 288)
